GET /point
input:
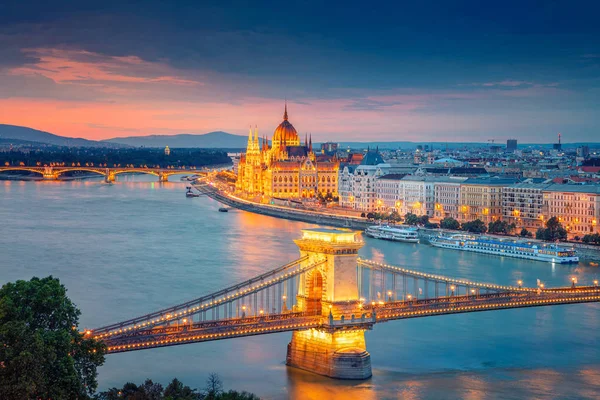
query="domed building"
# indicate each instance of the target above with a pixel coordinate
(287, 168)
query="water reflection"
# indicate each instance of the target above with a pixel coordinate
(139, 245)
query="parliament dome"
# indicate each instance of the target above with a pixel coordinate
(286, 133)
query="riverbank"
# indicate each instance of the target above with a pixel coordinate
(312, 217)
(585, 253)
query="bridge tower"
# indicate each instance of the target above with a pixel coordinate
(330, 291)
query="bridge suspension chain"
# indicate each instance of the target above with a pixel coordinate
(451, 286)
(263, 294)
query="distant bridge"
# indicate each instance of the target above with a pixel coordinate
(328, 298)
(109, 173)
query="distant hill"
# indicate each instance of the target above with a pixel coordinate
(217, 139)
(21, 134)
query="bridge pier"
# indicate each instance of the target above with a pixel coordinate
(337, 354)
(162, 177)
(330, 291)
(110, 176)
(49, 174)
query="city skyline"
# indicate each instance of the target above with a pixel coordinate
(406, 72)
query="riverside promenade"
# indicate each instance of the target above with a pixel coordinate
(303, 215)
(585, 252)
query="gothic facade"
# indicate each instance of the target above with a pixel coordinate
(286, 168)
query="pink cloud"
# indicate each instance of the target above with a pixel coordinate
(87, 68)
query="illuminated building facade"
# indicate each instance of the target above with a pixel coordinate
(577, 207)
(286, 168)
(522, 204)
(481, 198)
(357, 182)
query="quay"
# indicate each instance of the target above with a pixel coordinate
(313, 217)
(585, 252)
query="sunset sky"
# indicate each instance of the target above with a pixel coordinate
(420, 70)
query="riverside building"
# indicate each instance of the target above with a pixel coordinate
(287, 168)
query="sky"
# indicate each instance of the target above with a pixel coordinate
(350, 71)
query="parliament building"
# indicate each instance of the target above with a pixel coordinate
(287, 168)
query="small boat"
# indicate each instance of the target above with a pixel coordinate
(189, 192)
(183, 178)
(402, 233)
(507, 247)
(223, 209)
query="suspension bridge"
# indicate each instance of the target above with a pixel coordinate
(109, 173)
(327, 298)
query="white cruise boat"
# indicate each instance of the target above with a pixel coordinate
(507, 247)
(401, 233)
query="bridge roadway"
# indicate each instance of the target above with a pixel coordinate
(109, 173)
(365, 317)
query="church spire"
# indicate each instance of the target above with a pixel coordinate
(306, 139)
(250, 141)
(285, 116)
(256, 137)
(310, 143)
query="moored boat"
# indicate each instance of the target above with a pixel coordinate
(515, 248)
(189, 192)
(401, 233)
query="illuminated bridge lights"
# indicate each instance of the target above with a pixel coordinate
(172, 317)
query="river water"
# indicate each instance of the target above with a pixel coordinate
(126, 249)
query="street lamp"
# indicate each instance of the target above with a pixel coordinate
(472, 292)
(520, 283)
(452, 290)
(409, 297)
(573, 282)
(389, 295)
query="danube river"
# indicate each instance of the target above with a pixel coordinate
(126, 249)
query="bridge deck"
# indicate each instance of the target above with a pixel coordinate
(364, 318)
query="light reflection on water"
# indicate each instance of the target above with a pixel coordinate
(135, 246)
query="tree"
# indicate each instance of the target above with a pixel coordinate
(177, 391)
(370, 215)
(477, 226)
(593, 238)
(214, 387)
(525, 233)
(411, 219)
(395, 217)
(553, 231)
(42, 354)
(449, 223)
(424, 219)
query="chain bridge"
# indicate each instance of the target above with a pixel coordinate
(327, 298)
(109, 173)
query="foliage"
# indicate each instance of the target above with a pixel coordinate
(363, 215)
(327, 198)
(501, 227)
(477, 226)
(395, 217)
(411, 219)
(175, 390)
(525, 233)
(593, 238)
(370, 215)
(553, 231)
(449, 223)
(43, 356)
